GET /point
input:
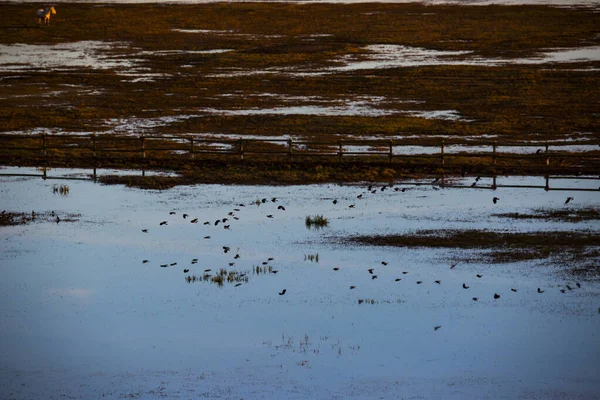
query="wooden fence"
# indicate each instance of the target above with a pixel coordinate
(160, 147)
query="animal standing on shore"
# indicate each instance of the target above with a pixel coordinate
(43, 15)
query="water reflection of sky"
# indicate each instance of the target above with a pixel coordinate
(80, 312)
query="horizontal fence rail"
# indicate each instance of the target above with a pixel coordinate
(492, 182)
(162, 147)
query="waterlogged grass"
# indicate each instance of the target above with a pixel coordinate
(316, 222)
(511, 101)
(236, 278)
(571, 215)
(503, 247)
(312, 257)
(63, 190)
(8, 218)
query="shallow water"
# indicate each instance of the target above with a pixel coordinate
(82, 316)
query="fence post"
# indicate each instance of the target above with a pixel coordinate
(391, 150)
(94, 147)
(547, 183)
(442, 152)
(494, 152)
(44, 151)
(547, 156)
(494, 186)
(340, 150)
(290, 149)
(241, 149)
(192, 147)
(143, 139)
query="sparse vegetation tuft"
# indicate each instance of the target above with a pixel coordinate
(316, 221)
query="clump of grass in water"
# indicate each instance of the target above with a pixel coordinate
(218, 279)
(316, 221)
(63, 190)
(311, 257)
(257, 270)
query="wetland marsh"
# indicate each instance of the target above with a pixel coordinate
(384, 284)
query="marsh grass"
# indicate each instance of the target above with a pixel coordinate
(577, 247)
(223, 276)
(512, 101)
(570, 215)
(312, 257)
(63, 190)
(316, 221)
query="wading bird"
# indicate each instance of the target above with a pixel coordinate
(282, 292)
(438, 282)
(514, 290)
(419, 282)
(194, 221)
(475, 298)
(238, 284)
(185, 271)
(479, 276)
(453, 265)
(163, 223)
(185, 216)
(144, 261)
(172, 213)
(465, 286)
(540, 290)
(336, 269)
(496, 296)
(398, 279)
(435, 328)
(269, 216)
(334, 201)
(384, 263)
(495, 199)
(352, 287)
(569, 199)
(145, 230)
(281, 208)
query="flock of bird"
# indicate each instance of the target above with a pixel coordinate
(233, 215)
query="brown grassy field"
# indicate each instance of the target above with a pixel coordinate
(272, 43)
